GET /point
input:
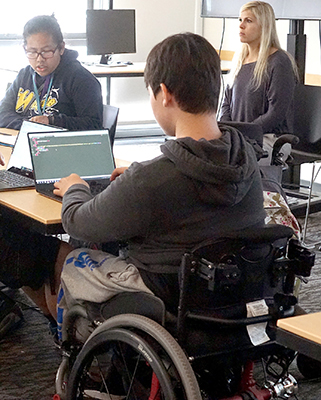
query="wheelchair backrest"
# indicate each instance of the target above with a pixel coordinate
(222, 275)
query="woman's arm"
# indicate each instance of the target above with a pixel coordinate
(279, 95)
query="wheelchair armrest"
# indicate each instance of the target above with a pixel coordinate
(283, 139)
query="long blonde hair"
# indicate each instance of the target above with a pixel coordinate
(265, 16)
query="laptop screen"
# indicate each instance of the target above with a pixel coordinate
(58, 154)
(20, 156)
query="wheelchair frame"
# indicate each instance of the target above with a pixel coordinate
(162, 352)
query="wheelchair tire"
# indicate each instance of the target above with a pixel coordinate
(138, 345)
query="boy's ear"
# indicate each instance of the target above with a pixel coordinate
(166, 95)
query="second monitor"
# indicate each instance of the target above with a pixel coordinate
(110, 32)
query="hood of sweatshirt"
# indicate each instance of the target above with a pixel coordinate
(223, 169)
(68, 57)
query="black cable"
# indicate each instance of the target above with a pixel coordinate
(320, 32)
(4, 288)
(222, 38)
(222, 79)
(26, 307)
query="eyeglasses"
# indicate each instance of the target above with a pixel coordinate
(44, 54)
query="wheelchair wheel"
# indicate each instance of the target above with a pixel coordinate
(132, 357)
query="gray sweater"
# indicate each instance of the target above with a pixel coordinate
(271, 106)
(165, 206)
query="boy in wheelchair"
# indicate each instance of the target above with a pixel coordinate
(205, 185)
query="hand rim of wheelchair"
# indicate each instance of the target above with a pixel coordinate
(158, 333)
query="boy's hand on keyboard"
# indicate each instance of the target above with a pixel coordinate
(64, 184)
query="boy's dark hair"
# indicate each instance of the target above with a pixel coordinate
(43, 23)
(189, 66)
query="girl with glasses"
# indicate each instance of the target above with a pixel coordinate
(54, 89)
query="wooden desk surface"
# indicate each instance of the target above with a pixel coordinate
(101, 71)
(307, 326)
(32, 204)
(137, 69)
(28, 202)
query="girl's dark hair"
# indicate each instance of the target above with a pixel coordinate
(189, 66)
(43, 23)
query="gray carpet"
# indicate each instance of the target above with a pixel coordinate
(29, 359)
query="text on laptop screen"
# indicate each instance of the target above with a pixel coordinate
(56, 155)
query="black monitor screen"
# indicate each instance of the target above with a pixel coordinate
(110, 32)
(284, 9)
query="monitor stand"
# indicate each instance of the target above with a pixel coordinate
(106, 60)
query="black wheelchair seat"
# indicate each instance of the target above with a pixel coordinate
(128, 303)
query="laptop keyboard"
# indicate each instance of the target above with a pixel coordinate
(15, 180)
(95, 188)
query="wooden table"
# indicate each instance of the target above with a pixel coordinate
(301, 333)
(127, 71)
(105, 71)
(108, 72)
(30, 208)
(27, 206)
(34, 210)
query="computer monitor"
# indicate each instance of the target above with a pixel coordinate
(283, 9)
(110, 32)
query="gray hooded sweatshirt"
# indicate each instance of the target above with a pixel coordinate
(194, 191)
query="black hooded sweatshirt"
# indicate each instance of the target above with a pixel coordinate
(74, 100)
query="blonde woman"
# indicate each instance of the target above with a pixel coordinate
(264, 75)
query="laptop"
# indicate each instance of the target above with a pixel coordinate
(55, 155)
(18, 173)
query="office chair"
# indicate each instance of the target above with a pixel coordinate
(307, 127)
(110, 116)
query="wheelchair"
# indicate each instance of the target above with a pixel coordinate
(131, 347)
